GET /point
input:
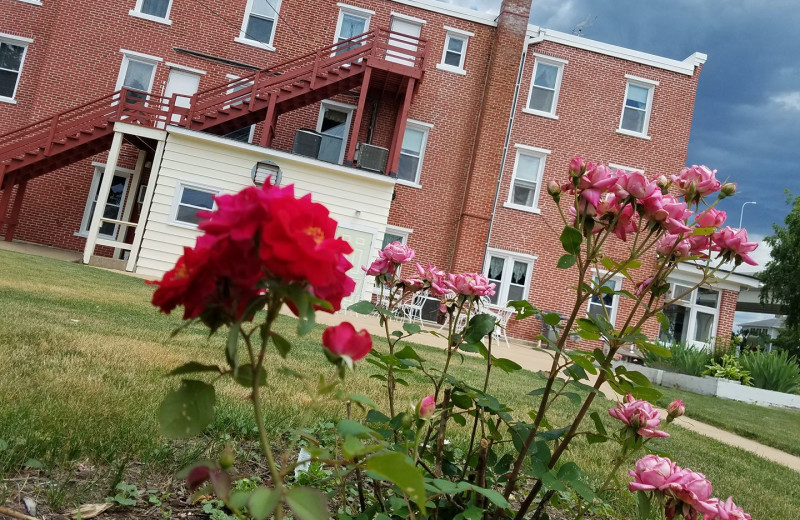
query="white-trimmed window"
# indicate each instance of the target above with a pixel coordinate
(352, 22)
(137, 72)
(454, 53)
(693, 317)
(511, 273)
(395, 234)
(189, 199)
(526, 180)
(412, 152)
(258, 26)
(545, 86)
(606, 303)
(637, 107)
(114, 203)
(626, 169)
(12, 57)
(155, 10)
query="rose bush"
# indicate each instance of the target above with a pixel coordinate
(265, 248)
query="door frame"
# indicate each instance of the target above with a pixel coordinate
(344, 107)
(371, 252)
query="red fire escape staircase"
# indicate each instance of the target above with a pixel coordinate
(379, 62)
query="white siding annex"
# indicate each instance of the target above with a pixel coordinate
(359, 201)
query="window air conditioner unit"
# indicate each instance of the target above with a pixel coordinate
(307, 143)
(372, 158)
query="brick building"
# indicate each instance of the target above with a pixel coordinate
(475, 112)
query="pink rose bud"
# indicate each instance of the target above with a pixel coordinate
(728, 189)
(676, 409)
(554, 189)
(662, 181)
(577, 166)
(343, 340)
(398, 253)
(426, 407)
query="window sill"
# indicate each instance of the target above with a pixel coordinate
(10, 101)
(532, 112)
(632, 134)
(526, 209)
(84, 234)
(183, 225)
(144, 16)
(254, 43)
(32, 2)
(453, 70)
(409, 184)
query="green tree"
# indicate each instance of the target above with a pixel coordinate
(781, 276)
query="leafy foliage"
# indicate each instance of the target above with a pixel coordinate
(781, 283)
(776, 371)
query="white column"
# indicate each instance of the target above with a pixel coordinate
(148, 199)
(130, 198)
(102, 196)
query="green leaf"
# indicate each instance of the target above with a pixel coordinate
(461, 400)
(408, 353)
(472, 513)
(506, 365)
(352, 448)
(522, 309)
(479, 326)
(33, 464)
(552, 435)
(587, 329)
(188, 410)
(642, 505)
(569, 472)
(593, 438)
(638, 378)
(396, 468)
(571, 240)
(583, 490)
(362, 307)
(549, 481)
(411, 328)
(238, 499)
(662, 319)
(647, 394)
(494, 497)
(598, 423)
(3, 445)
(703, 231)
(552, 319)
(232, 346)
(282, 344)
(609, 264)
(350, 427)
(566, 261)
(307, 503)
(194, 367)
(362, 400)
(573, 398)
(582, 361)
(245, 376)
(654, 348)
(459, 419)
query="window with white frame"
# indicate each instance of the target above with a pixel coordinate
(692, 317)
(114, 203)
(638, 105)
(545, 85)
(188, 201)
(137, 73)
(626, 169)
(526, 180)
(260, 18)
(153, 9)
(454, 53)
(605, 303)
(412, 152)
(12, 57)
(395, 234)
(511, 273)
(352, 22)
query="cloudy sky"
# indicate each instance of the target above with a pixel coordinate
(747, 114)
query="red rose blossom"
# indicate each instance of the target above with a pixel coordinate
(343, 340)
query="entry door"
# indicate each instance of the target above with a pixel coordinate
(403, 27)
(181, 82)
(334, 125)
(361, 242)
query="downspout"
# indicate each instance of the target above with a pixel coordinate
(504, 157)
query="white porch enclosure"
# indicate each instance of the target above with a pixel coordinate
(191, 167)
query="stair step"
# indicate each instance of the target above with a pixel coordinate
(101, 126)
(212, 116)
(287, 88)
(32, 153)
(87, 132)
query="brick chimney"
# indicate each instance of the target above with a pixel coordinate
(496, 106)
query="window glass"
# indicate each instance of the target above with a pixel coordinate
(138, 75)
(192, 201)
(333, 128)
(157, 8)
(411, 154)
(526, 177)
(10, 65)
(704, 326)
(634, 114)
(261, 21)
(454, 53)
(517, 284)
(495, 274)
(113, 207)
(707, 297)
(510, 277)
(543, 92)
(546, 75)
(603, 303)
(678, 329)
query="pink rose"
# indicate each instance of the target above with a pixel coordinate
(470, 284)
(711, 218)
(434, 278)
(597, 180)
(577, 166)
(692, 489)
(343, 340)
(697, 182)
(426, 407)
(379, 266)
(652, 473)
(673, 246)
(673, 215)
(644, 286)
(733, 245)
(676, 409)
(398, 253)
(634, 184)
(699, 245)
(727, 510)
(639, 415)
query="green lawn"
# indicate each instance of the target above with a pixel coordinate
(82, 363)
(776, 427)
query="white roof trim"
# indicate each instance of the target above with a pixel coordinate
(352, 8)
(457, 31)
(686, 66)
(734, 282)
(452, 10)
(408, 18)
(271, 154)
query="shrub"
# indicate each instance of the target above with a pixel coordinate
(684, 359)
(776, 371)
(730, 368)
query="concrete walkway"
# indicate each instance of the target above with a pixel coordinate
(533, 359)
(527, 356)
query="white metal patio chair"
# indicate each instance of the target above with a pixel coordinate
(500, 330)
(412, 311)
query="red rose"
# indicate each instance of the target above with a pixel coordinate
(343, 340)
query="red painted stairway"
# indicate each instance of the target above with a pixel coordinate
(378, 61)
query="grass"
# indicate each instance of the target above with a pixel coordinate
(770, 426)
(82, 363)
